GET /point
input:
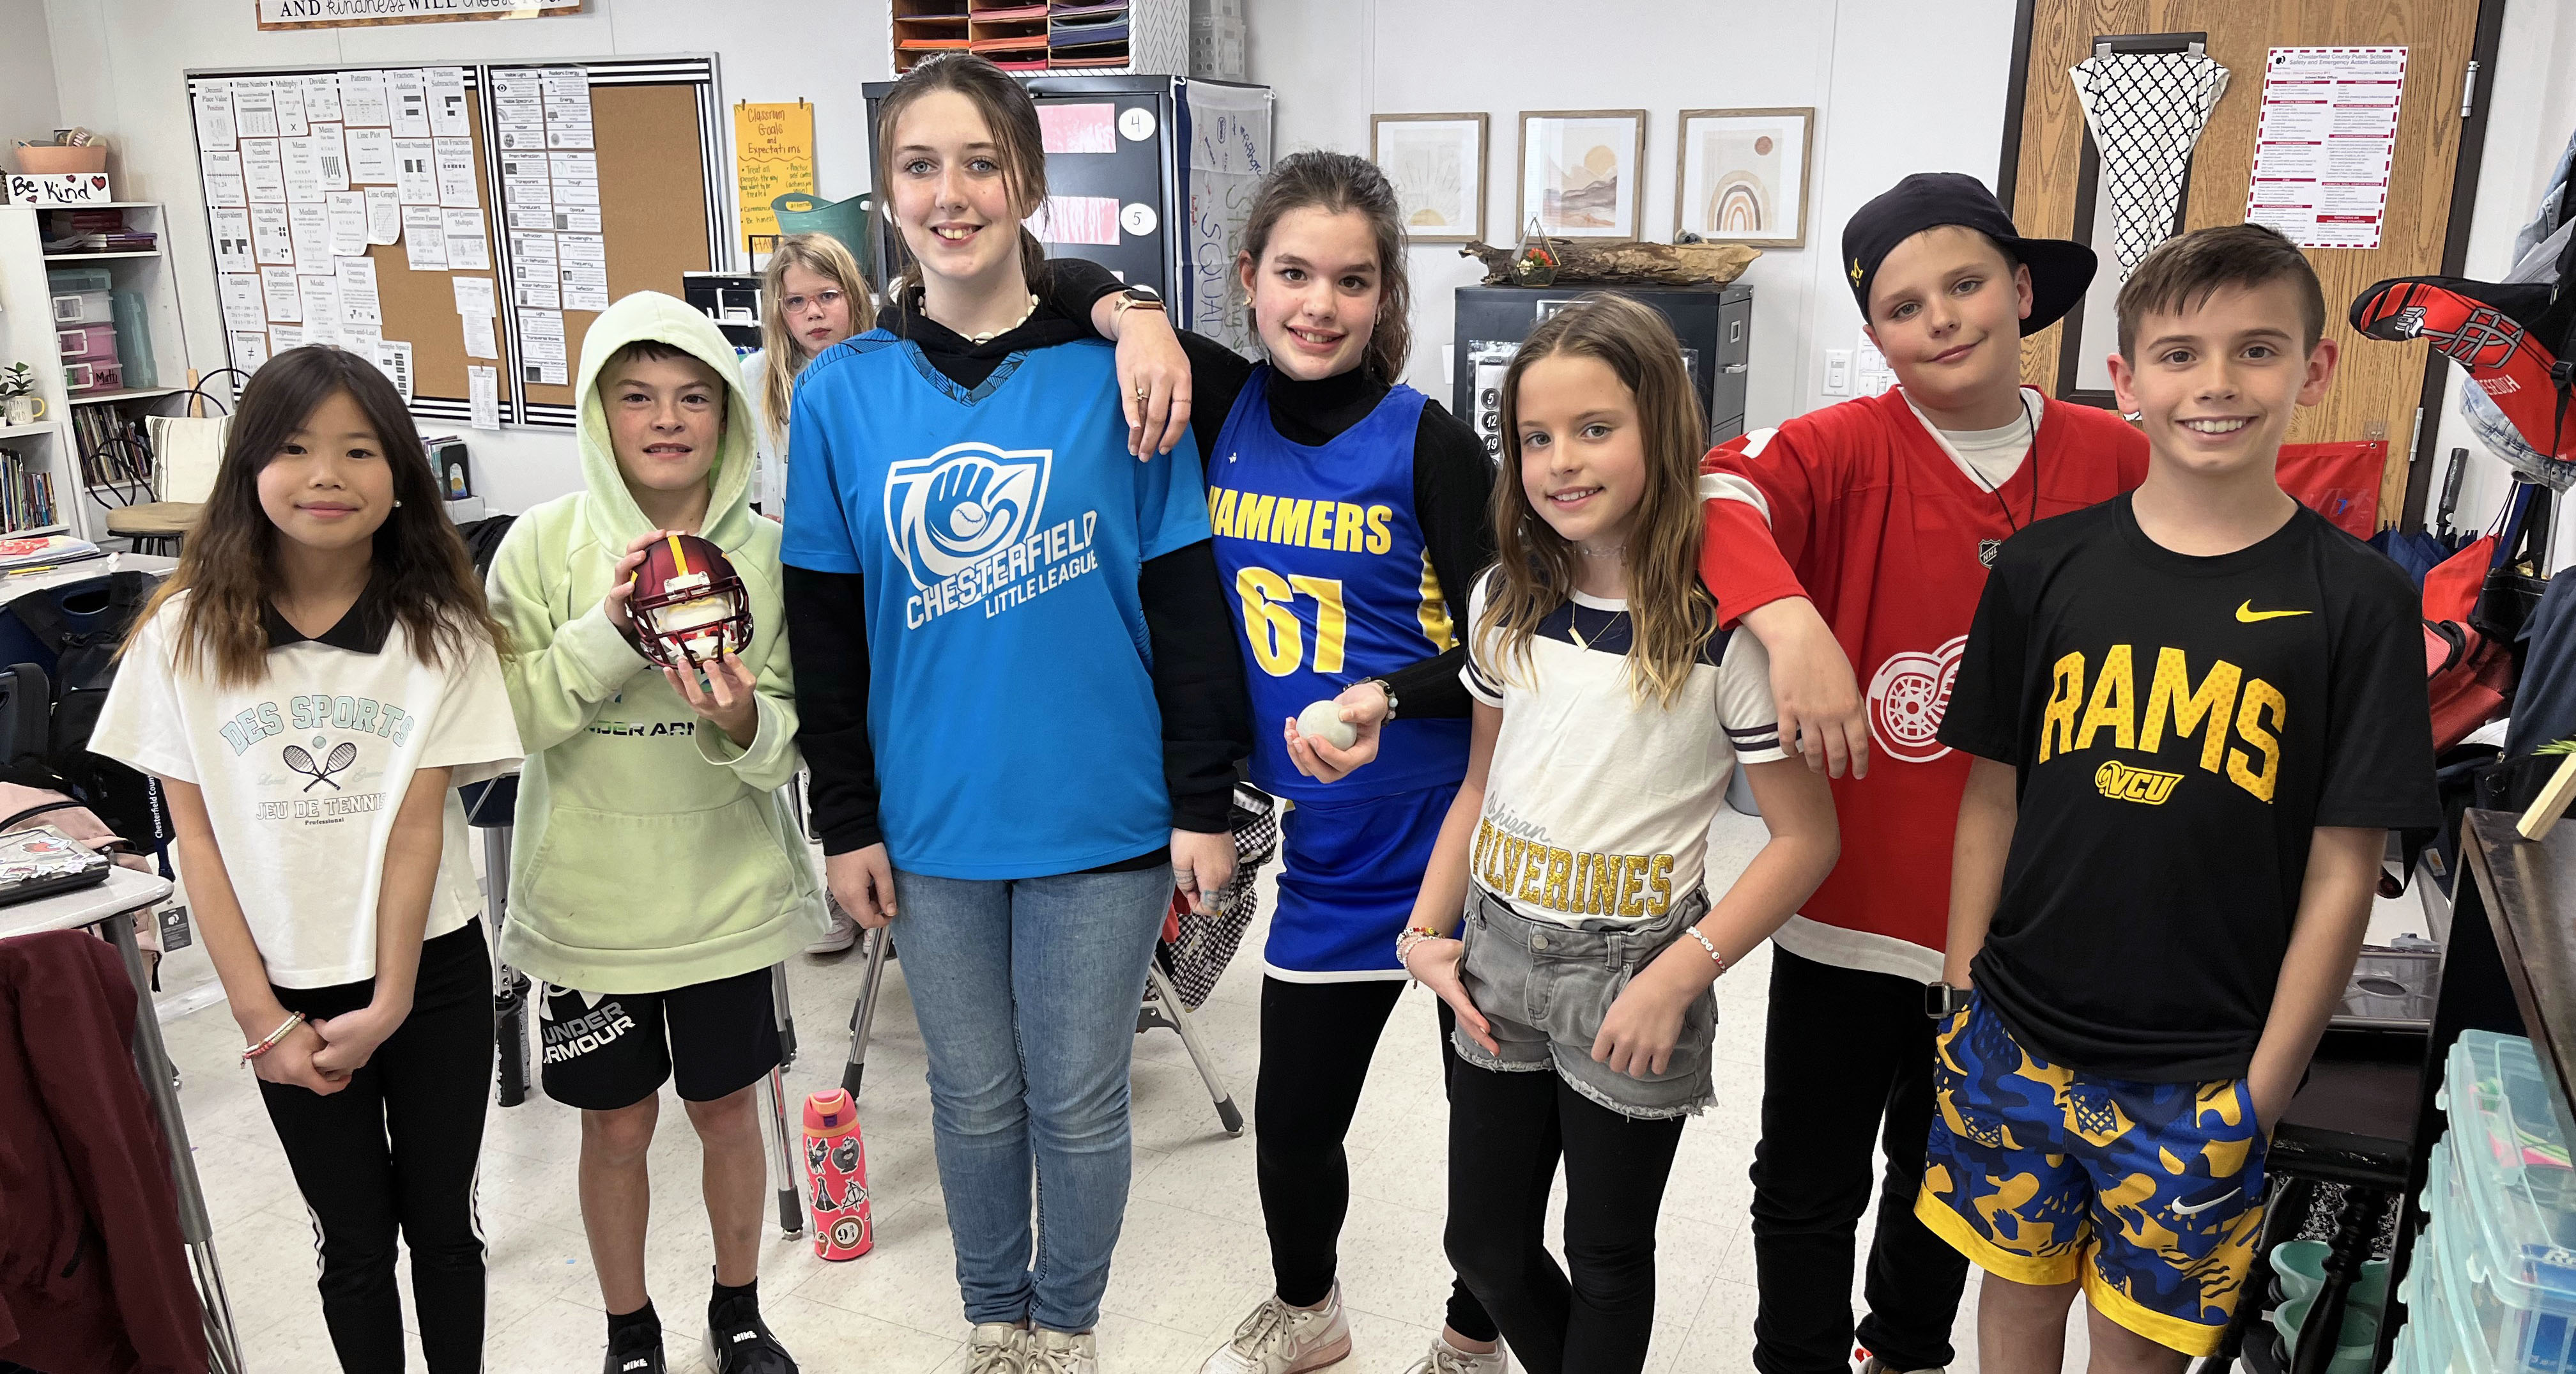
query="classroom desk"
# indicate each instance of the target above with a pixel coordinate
(101, 905)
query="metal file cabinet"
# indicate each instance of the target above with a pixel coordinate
(1714, 324)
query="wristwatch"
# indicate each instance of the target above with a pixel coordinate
(1942, 1001)
(1134, 297)
(1384, 686)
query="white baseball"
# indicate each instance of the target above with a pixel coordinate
(1323, 721)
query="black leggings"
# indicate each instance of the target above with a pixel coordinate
(396, 1149)
(1506, 1134)
(1316, 1043)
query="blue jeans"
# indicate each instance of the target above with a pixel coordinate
(1026, 990)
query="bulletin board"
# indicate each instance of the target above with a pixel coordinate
(635, 146)
(664, 201)
(418, 308)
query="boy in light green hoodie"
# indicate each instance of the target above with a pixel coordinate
(657, 874)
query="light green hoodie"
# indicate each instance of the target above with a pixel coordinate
(651, 853)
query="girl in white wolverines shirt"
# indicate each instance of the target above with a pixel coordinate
(1610, 711)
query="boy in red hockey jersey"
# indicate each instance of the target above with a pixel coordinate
(1860, 534)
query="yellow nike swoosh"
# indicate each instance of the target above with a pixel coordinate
(2249, 615)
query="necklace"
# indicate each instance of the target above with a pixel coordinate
(981, 339)
(1611, 552)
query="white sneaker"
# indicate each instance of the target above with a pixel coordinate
(1279, 1339)
(996, 1348)
(1054, 1352)
(1873, 1365)
(844, 933)
(1449, 1359)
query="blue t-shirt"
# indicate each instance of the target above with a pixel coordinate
(1331, 583)
(999, 532)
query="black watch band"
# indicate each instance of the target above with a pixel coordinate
(1942, 1001)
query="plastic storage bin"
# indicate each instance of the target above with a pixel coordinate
(2440, 1332)
(2505, 1218)
(84, 377)
(134, 339)
(87, 342)
(83, 307)
(62, 279)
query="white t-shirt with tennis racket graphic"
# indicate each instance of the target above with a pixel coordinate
(304, 772)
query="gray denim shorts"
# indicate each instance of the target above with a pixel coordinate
(1545, 986)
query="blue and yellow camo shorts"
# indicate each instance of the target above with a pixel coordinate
(2150, 1193)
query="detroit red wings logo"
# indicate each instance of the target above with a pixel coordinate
(1907, 697)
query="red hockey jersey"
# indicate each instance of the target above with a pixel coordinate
(1891, 539)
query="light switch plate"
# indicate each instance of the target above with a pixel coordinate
(1838, 371)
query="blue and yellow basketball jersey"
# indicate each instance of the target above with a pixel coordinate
(1322, 555)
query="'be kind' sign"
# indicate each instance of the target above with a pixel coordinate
(53, 189)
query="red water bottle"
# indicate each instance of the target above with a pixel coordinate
(836, 1175)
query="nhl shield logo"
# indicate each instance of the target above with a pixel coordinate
(1987, 549)
(961, 504)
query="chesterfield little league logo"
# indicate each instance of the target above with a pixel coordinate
(968, 522)
(957, 505)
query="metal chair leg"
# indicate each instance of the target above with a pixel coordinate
(510, 988)
(791, 1196)
(1172, 1013)
(863, 1012)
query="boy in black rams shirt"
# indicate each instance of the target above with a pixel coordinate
(2196, 711)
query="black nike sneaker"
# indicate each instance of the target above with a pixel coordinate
(738, 1342)
(640, 1355)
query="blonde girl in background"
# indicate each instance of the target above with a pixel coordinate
(812, 296)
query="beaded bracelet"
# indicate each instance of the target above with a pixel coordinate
(1706, 944)
(293, 1019)
(1412, 936)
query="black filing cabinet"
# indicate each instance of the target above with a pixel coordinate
(1714, 324)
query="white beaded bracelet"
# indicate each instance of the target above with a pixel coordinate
(1706, 944)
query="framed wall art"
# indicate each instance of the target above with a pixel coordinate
(1742, 176)
(1581, 172)
(1437, 162)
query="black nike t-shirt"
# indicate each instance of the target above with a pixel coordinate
(2181, 725)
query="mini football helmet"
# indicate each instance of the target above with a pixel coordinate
(689, 605)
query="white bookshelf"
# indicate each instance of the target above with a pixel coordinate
(28, 334)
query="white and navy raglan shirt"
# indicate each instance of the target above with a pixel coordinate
(1598, 801)
(304, 771)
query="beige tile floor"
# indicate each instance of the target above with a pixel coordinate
(1191, 1262)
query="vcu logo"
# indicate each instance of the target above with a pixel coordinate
(2120, 782)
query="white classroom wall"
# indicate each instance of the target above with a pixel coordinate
(1863, 65)
(28, 108)
(1894, 93)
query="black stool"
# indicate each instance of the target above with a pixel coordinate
(2351, 1124)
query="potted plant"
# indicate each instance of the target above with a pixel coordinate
(19, 403)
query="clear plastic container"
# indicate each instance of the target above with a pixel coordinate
(83, 307)
(2439, 1326)
(2505, 1213)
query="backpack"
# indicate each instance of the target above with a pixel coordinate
(82, 624)
(2469, 678)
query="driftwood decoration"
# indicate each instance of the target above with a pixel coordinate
(1632, 264)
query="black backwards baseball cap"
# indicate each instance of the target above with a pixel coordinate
(2060, 269)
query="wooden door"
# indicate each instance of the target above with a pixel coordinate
(2379, 387)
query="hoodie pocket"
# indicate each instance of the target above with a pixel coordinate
(659, 880)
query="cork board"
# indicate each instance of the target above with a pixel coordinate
(652, 202)
(420, 307)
